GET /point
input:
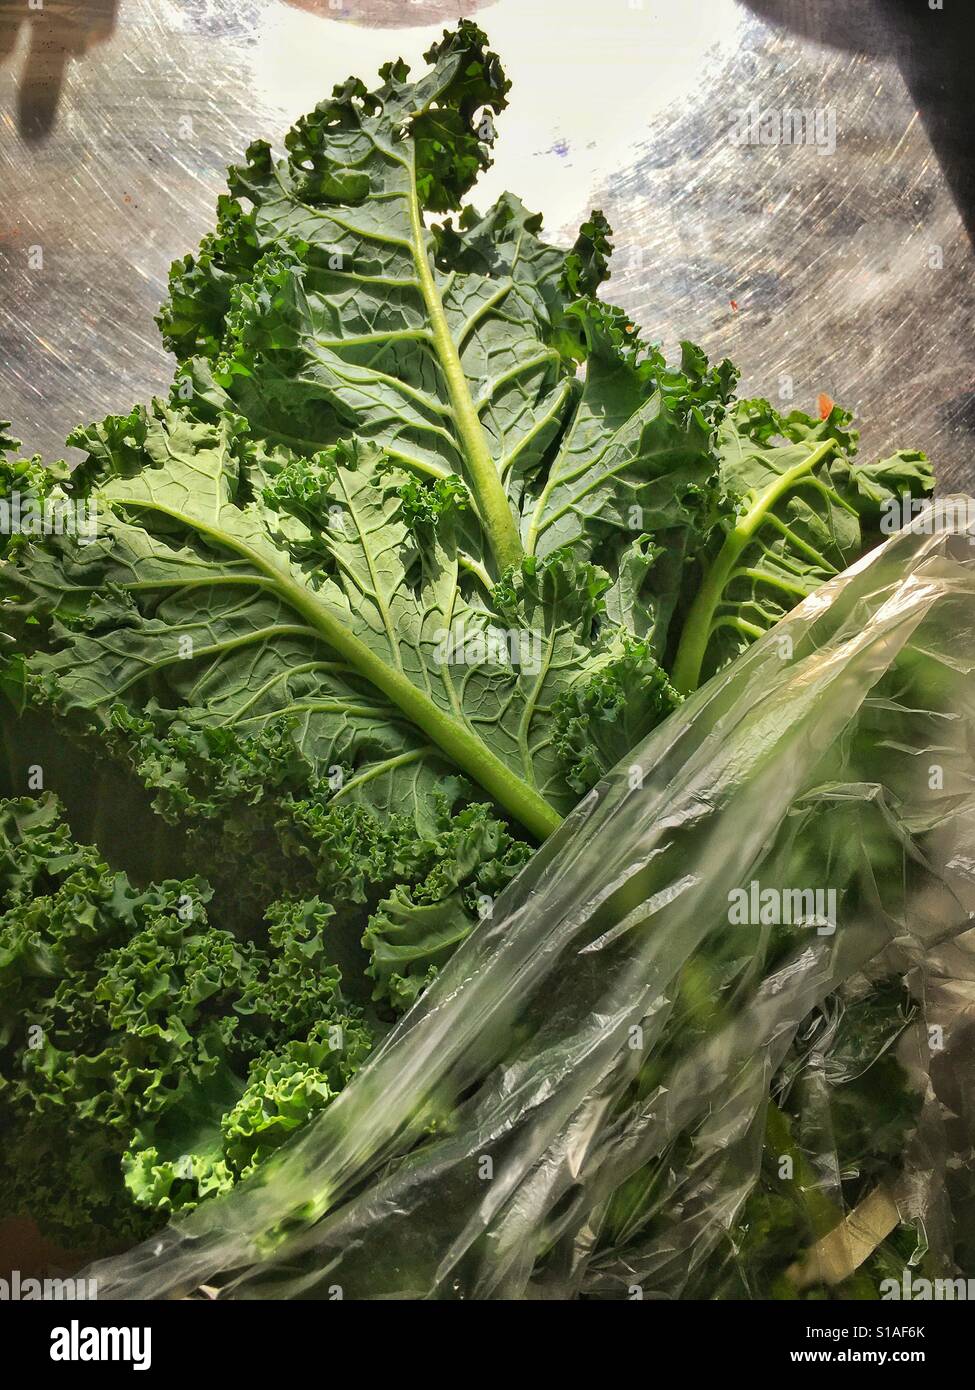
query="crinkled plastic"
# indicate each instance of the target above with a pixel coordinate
(599, 1094)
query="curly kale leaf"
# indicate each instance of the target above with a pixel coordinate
(130, 1030)
(377, 435)
(416, 929)
(801, 511)
(395, 666)
(598, 723)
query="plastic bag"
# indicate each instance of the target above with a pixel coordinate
(704, 1028)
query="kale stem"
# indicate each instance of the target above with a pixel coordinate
(492, 500)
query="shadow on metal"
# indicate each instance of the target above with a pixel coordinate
(58, 31)
(933, 48)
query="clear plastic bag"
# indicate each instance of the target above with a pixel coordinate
(616, 1082)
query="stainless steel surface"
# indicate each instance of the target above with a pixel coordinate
(846, 273)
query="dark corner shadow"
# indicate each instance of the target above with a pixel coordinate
(58, 31)
(935, 50)
(394, 14)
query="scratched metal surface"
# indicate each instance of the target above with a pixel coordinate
(846, 273)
